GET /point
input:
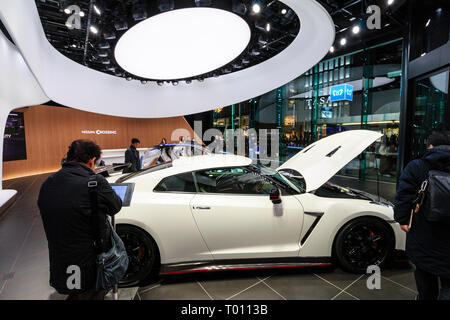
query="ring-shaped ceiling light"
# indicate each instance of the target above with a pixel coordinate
(71, 84)
(182, 43)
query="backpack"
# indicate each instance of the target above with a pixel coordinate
(437, 193)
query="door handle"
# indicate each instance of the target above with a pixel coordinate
(203, 208)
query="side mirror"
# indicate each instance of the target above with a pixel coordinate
(275, 196)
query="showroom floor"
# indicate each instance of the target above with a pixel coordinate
(24, 267)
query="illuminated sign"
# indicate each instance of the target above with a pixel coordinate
(98, 131)
(341, 92)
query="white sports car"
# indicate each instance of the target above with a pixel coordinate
(220, 212)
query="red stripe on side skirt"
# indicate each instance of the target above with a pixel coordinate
(250, 268)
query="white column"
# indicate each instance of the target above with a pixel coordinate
(18, 88)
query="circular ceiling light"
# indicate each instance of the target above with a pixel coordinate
(256, 8)
(182, 43)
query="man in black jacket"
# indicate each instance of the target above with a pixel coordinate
(70, 228)
(427, 243)
(132, 156)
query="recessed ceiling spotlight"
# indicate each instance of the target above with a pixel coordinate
(97, 10)
(67, 11)
(283, 11)
(255, 52)
(268, 27)
(343, 42)
(332, 49)
(203, 3)
(256, 8)
(175, 83)
(109, 35)
(93, 29)
(74, 46)
(160, 83)
(81, 14)
(144, 81)
(104, 45)
(103, 53)
(356, 29)
(129, 78)
(390, 2)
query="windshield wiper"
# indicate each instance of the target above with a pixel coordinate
(272, 180)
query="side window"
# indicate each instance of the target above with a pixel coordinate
(181, 183)
(239, 180)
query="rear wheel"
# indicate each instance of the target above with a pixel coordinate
(363, 242)
(142, 254)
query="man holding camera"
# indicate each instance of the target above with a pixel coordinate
(71, 229)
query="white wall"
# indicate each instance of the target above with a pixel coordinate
(18, 87)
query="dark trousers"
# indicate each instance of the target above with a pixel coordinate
(428, 286)
(88, 295)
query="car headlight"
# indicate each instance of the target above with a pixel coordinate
(384, 204)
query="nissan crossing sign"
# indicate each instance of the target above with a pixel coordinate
(98, 131)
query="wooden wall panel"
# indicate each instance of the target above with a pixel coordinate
(50, 130)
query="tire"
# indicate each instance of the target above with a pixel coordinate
(142, 254)
(363, 242)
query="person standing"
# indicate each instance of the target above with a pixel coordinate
(71, 230)
(427, 242)
(132, 156)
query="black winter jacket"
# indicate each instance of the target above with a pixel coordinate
(427, 243)
(132, 156)
(65, 208)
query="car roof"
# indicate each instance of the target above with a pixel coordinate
(188, 164)
(209, 161)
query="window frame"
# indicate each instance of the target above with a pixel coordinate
(173, 191)
(197, 190)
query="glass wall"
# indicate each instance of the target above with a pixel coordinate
(430, 110)
(304, 112)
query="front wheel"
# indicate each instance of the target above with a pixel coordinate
(363, 242)
(142, 254)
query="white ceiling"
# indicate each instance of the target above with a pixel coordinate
(71, 84)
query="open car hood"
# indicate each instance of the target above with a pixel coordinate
(321, 160)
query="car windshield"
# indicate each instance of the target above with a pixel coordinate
(280, 178)
(163, 153)
(152, 168)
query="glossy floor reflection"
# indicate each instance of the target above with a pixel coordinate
(24, 268)
(305, 284)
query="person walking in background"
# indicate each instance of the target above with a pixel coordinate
(163, 142)
(132, 156)
(427, 241)
(66, 211)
